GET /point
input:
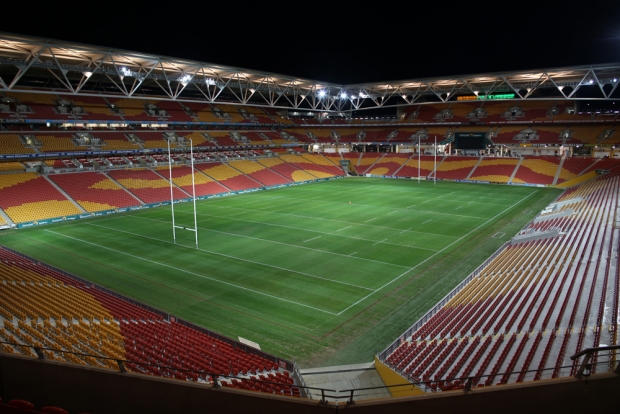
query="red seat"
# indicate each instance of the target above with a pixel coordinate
(53, 410)
(23, 404)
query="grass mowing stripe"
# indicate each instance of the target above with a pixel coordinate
(187, 271)
(317, 218)
(232, 257)
(430, 257)
(331, 234)
(285, 244)
(377, 207)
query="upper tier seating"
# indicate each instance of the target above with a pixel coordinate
(11, 144)
(94, 191)
(146, 185)
(30, 197)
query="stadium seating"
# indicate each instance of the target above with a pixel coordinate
(456, 168)
(182, 177)
(11, 166)
(307, 165)
(497, 170)
(146, 185)
(537, 170)
(30, 197)
(325, 162)
(94, 191)
(229, 177)
(593, 134)
(366, 162)
(534, 298)
(572, 167)
(259, 172)
(84, 324)
(285, 169)
(410, 168)
(57, 142)
(11, 144)
(388, 164)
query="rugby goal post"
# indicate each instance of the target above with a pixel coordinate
(174, 225)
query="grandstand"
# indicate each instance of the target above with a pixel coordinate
(518, 236)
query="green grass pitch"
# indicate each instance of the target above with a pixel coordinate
(325, 273)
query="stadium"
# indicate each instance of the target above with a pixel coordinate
(243, 240)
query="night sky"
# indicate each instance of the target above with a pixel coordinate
(328, 42)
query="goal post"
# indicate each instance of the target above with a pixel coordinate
(174, 224)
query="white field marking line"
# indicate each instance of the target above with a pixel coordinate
(433, 255)
(405, 230)
(367, 205)
(458, 207)
(499, 235)
(395, 211)
(234, 214)
(233, 257)
(370, 220)
(352, 253)
(379, 242)
(276, 242)
(471, 202)
(192, 273)
(344, 229)
(293, 202)
(316, 218)
(425, 201)
(321, 232)
(427, 221)
(314, 238)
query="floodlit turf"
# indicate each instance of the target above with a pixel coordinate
(326, 273)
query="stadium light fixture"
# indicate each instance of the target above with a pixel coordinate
(343, 95)
(125, 71)
(322, 93)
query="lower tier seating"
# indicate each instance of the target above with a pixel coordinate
(94, 191)
(83, 324)
(30, 197)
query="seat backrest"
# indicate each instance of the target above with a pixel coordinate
(53, 410)
(26, 405)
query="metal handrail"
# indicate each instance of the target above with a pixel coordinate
(348, 395)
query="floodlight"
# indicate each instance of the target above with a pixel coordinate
(321, 93)
(343, 95)
(125, 71)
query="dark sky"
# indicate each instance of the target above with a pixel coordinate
(330, 42)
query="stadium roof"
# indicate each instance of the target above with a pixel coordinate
(28, 63)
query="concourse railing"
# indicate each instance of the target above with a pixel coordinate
(602, 359)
